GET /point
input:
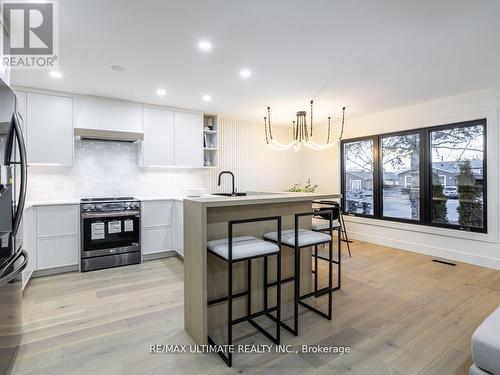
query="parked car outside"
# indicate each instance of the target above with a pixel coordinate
(451, 192)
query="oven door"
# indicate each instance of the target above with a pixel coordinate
(107, 233)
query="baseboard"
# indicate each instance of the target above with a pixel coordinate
(159, 255)
(458, 256)
(54, 271)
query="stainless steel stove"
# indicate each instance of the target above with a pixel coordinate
(110, 232)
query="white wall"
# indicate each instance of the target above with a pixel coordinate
(481, 249)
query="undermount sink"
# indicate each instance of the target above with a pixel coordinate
(231, 194)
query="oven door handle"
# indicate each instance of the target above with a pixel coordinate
(90, 215)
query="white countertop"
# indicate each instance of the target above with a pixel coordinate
(29, 204)
(211, 200)
(261, 198)
(52, 202)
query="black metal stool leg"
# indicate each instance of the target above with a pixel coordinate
(339, 268)
(265, 283)
(316, 268)
(230, 310)
(344, 232)
(249, 287)
(278, 295)
(330, 278)
(297, 292)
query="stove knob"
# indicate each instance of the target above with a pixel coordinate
(98, 207)
(86, 207)
(134, 205)
(128, 205)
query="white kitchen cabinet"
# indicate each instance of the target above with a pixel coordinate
(29, 243)
(188, 139)
(156, 213)
(57, 236)
(57, 252)
(49, 129)
(178, 214)
(92, 112)
(157, 239)
(158, 143)
(60, 220)
(157, 231)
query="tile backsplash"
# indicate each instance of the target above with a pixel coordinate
(104, 168)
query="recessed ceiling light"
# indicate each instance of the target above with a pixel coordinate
(55, 74)
(161, 92)
(205, 46)
(207, 98)
(245, 73)
(117, 68)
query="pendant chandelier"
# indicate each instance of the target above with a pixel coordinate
(302, 132)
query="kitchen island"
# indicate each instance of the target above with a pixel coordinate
(206, 219)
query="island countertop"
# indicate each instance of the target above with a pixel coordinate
(260, 198)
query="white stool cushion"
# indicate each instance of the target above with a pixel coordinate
(322, 224)
(306, 237)
(243, 247)
(486, 344)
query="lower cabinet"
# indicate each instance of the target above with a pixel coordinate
(157, 239)
(57, 236)
(157, 231)
(29, 243)
(51, 236)
(57, 252)
(179, 227)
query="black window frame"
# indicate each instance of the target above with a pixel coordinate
(425, 180)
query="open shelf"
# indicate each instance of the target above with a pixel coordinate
(210, 140)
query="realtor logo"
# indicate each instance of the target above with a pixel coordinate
(30, 34)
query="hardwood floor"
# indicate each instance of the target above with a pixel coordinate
(399, 312)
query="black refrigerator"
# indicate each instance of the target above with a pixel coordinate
(13, 259)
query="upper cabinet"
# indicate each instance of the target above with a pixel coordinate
(172, 139)
(92, 112)
(188, 139)
(49, 129)
(158, 143)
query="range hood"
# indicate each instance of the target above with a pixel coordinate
(108, 135)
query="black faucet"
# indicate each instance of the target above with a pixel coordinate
(232, 175)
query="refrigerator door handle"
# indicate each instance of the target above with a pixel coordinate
(4, 279)
(24, 173)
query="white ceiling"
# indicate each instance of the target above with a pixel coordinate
(386, 52)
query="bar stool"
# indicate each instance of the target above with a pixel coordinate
(321, 223)
(298, 239)
(340, 217)
(240, 249)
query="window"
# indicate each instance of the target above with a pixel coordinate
(433, 176)
(358, 176)
(355, 184)
(458, 155)
(400, 160)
